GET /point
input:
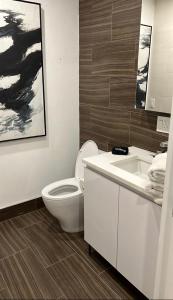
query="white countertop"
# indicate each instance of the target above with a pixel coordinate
(102, 163)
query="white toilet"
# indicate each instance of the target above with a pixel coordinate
(64, 199)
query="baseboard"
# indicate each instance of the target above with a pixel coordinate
(20, 209)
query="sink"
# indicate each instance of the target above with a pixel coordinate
(135, 165)
(130, 171)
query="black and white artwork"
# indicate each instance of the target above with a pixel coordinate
(22, 110)
(143, 65)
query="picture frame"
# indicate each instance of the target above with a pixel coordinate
(143, 65)
(22, 90)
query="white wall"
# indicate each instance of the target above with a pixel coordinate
(161, 79)
(158, 13)
(164, 273)
(26, 166)
(148, 12)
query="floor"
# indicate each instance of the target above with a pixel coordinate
(39, 261)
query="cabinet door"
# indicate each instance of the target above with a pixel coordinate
(138, 234)
(101, 214)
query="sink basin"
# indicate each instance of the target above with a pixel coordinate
(134, 165)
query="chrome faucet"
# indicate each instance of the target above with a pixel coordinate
(163, 147)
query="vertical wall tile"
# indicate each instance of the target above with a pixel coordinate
(109, 38)
(94, 90)
(145, 138)
(126, 19)
(95, 22)
(122, 91)
(114, 58)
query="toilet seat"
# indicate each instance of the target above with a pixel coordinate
(88, 149)
(64, 199)
(71, 182)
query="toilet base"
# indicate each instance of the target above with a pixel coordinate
(72, 230)
(74, 220)
(69, 212)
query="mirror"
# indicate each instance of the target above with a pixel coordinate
(155, 59)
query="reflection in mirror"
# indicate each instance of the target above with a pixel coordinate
(155, 60)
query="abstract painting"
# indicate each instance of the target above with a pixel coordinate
(143, 65)
(22, 105)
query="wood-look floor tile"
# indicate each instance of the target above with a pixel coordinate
(11, 240)
(67, 281)
(26, 278)
(51, 248)
(5, 295)
(32, 218)
(77, 243)
(2, 282)
(120, 285)
(77, 276)
(19, 279)
(79, 281)
(47, 286)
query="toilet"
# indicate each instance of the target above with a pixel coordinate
(64, 199)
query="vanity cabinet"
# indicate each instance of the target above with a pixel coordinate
(138, 235)
(101, 214)
(124, 228)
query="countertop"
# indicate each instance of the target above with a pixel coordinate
(102, 163)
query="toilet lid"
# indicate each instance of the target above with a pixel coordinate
(88, 149)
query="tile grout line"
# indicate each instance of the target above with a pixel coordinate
(13, 254)
(31, 245)
(59, 261)
(100, 273)
(63, 295)
(6, 288)
(85, 262)
(97, 275)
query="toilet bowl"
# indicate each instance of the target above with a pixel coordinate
(64, 199)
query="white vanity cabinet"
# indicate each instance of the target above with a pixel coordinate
(124, 228)
(101, 214)
(138, 234)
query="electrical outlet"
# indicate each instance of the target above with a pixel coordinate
(163, 124)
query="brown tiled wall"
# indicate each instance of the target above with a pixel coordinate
(109, 33)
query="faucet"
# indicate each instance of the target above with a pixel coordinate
(164, 144)
(163, 147)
